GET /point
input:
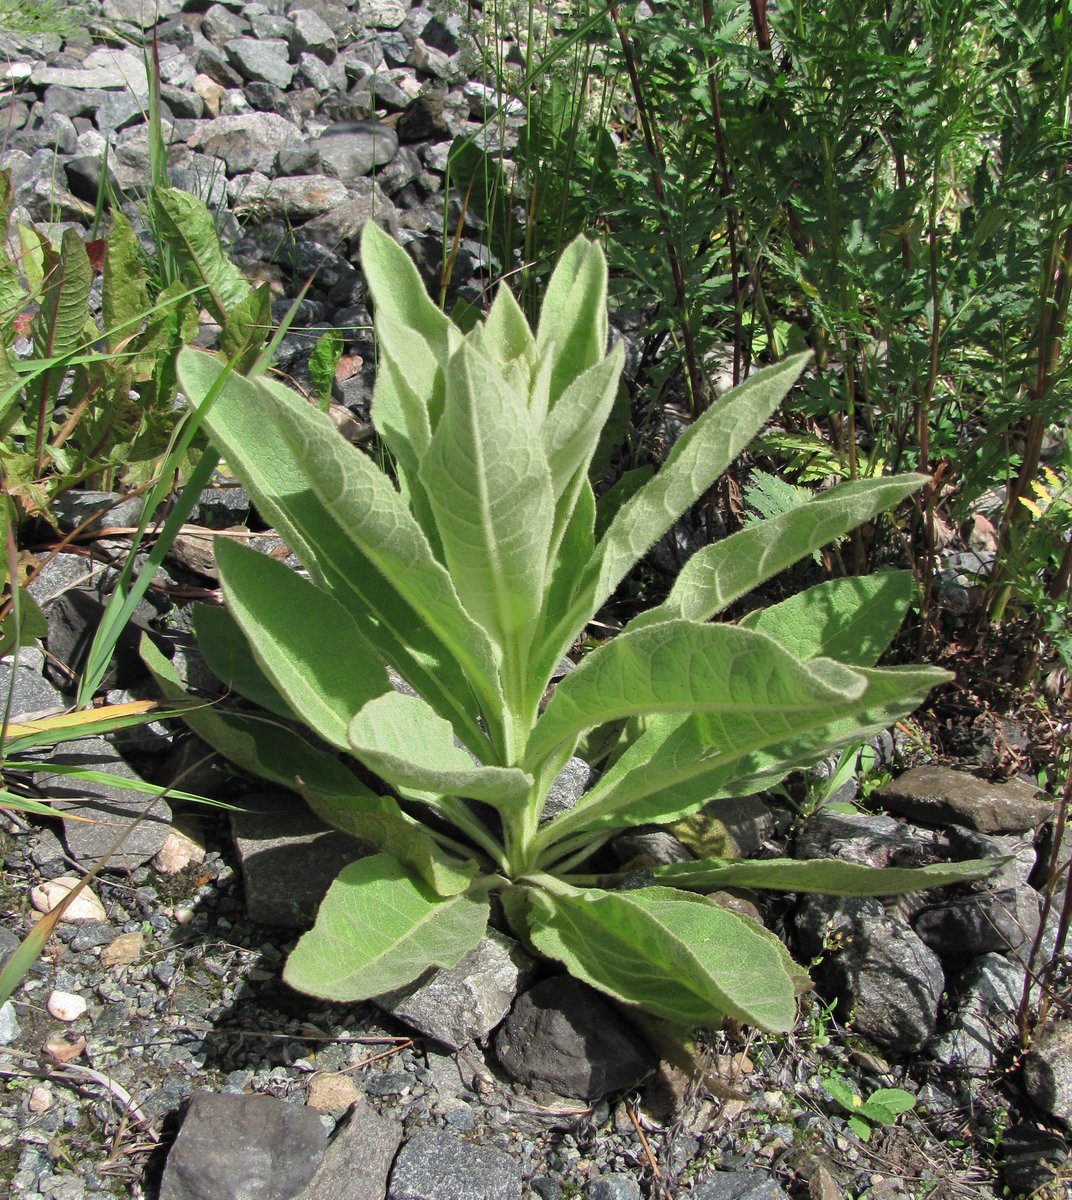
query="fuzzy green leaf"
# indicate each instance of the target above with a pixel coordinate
(826, 876)
(668, 952)
(226, 651)
(852, 620)
(304, 640)
(124, 283)
(403, 740)
(717, 575)
(573, 317)
(378, 928)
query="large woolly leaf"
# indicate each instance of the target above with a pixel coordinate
(378, 928)
(225, 649)
(827, 876)
(379, 821)
(681, 666)
(262, 746)
(304, 640)
(679, 762)
(668, 952)
(403, 740)
(717, 575)
(698, 458)
(852, 620)
(281, 483)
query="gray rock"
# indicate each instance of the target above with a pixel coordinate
(358, 1158)
(245, 140)
(614, 1185)
(988, 992)
(466, 1002)
(655, 847)
(94, 511)
(434, 1165)
(871, 840)
(562, 1036)
(739, 1185)
(100, 69)
(9, 1024)
(367, 202)
(260, 60)
(942, 796)
(1047, 1073)
(888, 982)
(970, 926)
(570, 784)
(140, 14)
(295, 198)
(9, 943)
(383, 14)
(289, 858)
(243, 1148)
(30, 692)
(310, 32)
(351, 150)
(221, 25)
(1031, 1158)
(96, 814)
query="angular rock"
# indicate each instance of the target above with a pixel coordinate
(942, 796)
(31, 694)
(95, 814)
(243, 1147)
(9, 1024)
(358, 1159)
(1047, 1073)
(570, 784)
(245, 139)
(350, 150)
(614, 1185)
(466, 1002)
(367, 202)
(1031, 1158)
(970, 926)
(562, 1036)
(435, 1165)
(873, 840)
(295, 198)
(100, 69)
(887, 981)
(260, 60)
(311, 33)
(988, 992)
(739, 1185)
(289, 858)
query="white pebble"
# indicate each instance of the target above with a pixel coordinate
(66, 1006)
(84, 907)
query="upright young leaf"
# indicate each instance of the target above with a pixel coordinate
(696, 461)
(489, 485)
(398, 291)
(378, 928)
(573, 317)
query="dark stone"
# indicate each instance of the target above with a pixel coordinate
(739, 1185)
(942, 796)
(435, 1165)
(30, 692)
(358, 1159)
(9, 943)
(887, 981)
(970, 926)
(564, 1037)
(253, 1147)
(424, 120)
(1030, 1158)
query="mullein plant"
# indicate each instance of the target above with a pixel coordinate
(470, 571)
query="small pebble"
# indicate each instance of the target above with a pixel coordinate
(84, 907)
(332, 1093)
(181, 847)
(66, 1006)
(40, 1099)
(123, 951)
